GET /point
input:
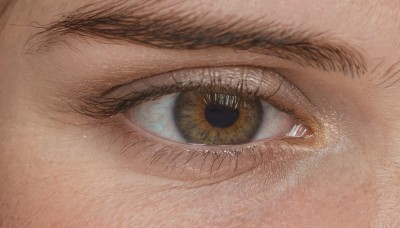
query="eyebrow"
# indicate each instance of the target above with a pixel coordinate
(157, 24)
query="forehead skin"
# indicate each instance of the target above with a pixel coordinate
(371, 26)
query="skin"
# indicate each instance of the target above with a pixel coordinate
(62, 169)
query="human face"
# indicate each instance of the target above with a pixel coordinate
(86, 85)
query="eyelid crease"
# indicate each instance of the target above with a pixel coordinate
(249, 82)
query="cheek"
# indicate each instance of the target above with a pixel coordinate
(321, 199)
(336, 193)
(52, 178)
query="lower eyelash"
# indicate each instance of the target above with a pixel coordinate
(196, 162)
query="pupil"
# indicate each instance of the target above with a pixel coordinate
(221, 116)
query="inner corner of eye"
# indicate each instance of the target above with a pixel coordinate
(211, 118)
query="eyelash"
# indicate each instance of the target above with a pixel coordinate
(164, 154)
(106, 107)
(103, 106)
(214, 163)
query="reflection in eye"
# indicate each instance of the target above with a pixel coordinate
(214, 118)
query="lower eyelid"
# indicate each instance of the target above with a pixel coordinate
(143, 153)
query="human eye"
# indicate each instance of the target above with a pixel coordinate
(210, 122)
(215, 111)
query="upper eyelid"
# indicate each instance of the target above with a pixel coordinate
(115, 101)
(253, 79)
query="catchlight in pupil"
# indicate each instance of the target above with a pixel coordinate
(220, 116)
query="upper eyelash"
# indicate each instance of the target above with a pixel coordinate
(100, 107)
(108, 103)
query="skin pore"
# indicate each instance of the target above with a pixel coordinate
(70, 157)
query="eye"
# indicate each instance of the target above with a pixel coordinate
(207, 117)
(209, 123)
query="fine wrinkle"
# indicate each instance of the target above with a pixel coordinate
(386, 77)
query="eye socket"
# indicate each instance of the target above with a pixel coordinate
(206, 117)
(268, 124)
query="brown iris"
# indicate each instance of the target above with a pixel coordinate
(217, 118)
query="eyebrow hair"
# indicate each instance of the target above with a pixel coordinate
(157, 24)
